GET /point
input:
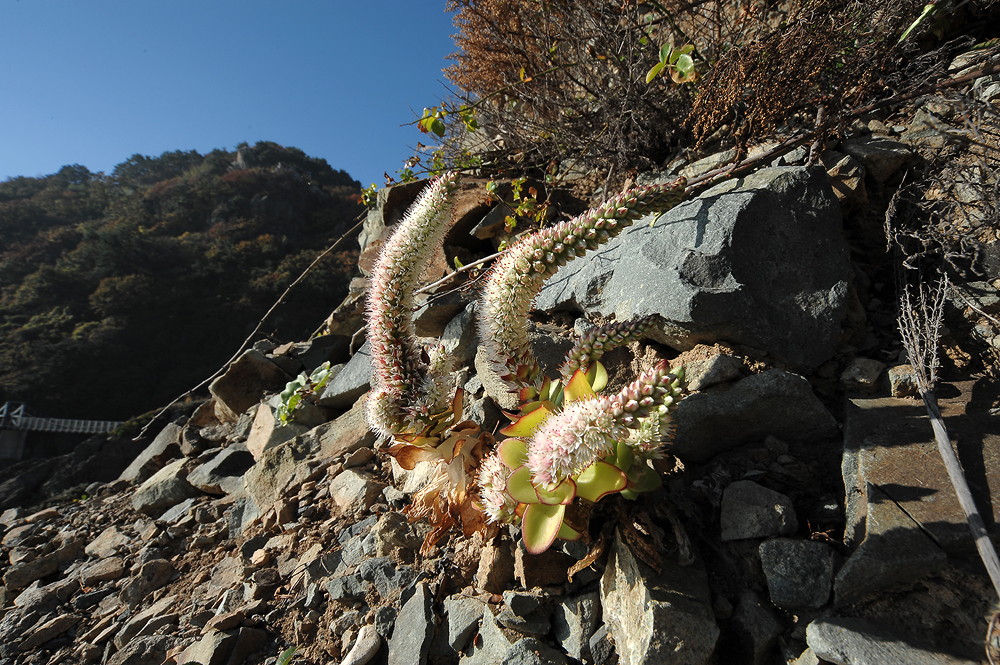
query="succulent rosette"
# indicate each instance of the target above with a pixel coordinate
(587, 446)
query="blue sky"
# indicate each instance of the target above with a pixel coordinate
(96, 82)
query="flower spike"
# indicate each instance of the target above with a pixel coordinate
(518, 276)
(399, 399)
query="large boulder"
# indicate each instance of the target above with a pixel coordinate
(758, 261)
(244, 383)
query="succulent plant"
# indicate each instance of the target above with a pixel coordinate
(567, 441)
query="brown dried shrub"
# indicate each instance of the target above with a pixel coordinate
(557, 79)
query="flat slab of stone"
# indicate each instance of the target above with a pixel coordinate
(852, 641)
(895, 551)
(414, 629)
(889, 445)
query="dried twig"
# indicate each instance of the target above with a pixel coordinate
(920, 327)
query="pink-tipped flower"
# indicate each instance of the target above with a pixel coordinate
(398, 370)
(518, 276)
(570, 441)
(587, 430)
(496, 502)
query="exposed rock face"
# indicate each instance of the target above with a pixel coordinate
(757, 261)
(665, 618)
(774, 403)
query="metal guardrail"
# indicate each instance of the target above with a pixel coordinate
(13, 416)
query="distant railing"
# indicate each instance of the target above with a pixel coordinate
(13, 416)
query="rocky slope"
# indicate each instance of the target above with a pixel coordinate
(805, 514)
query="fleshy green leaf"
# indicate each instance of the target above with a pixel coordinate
(597, 376)
(513, 452)
(624, 456)
(540, 526)
(519, 486)
(563, 494)
(527, 424)
(566, 532)
(598, 480)
(578, 387)
(643, 478)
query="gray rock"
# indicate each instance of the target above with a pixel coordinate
(574, 621)
(436, 312)
(713, 269)
(354, 492)
(366, 645)
(847, 177)
(348, 586)
(881, 157)
(385, 620)
(532, 623)
(657, 618)
(601, 645)
(152, 575)
(267, 431)
(47, 630)
(463, 615)
(280, 468)
(394, 530)
(774, 402)
(853, 641)
(343, 435)
(42, 598)
(460, 337)
(862, 374)
(104, 570)
(799, 572)
(223, 474)
(20, 575)
(752, 511)
(244, 383)
(521, 604)
(143, 651)
(108, 543)
(352, 382)
(165, 488)
(411, 638)
(717, 369)
(135, 625)
(178, 512)
(214, 648)
(240, 515)
(529, 651)
(757, 626)
(165, 447)
(491, 646)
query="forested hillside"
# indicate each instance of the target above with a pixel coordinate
(120, 291)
